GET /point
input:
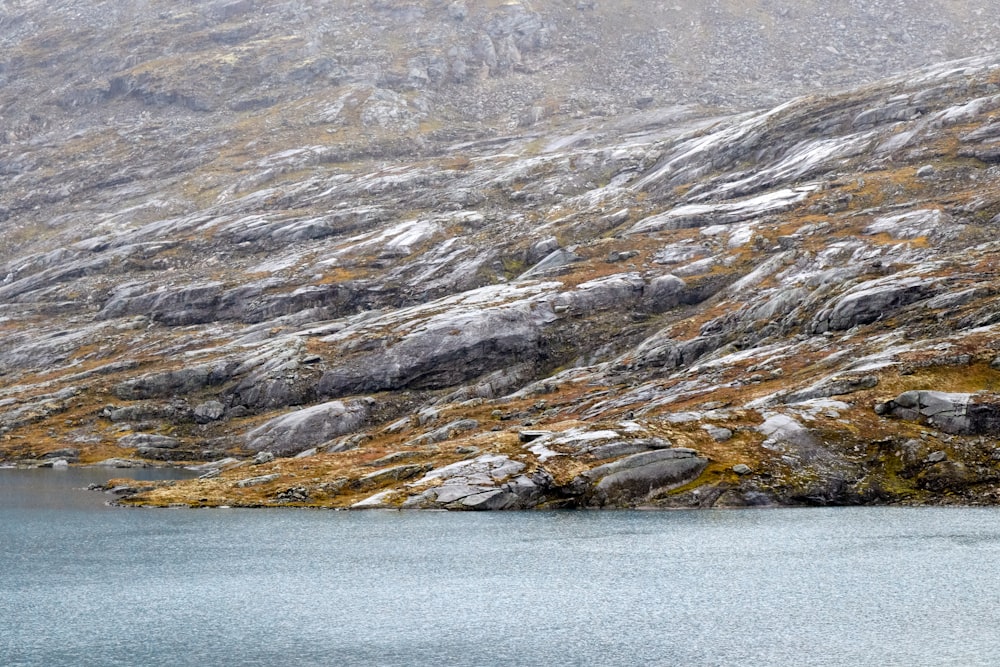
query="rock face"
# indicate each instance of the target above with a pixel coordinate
(498, 266)
(956, 414)
(296, 431)
(640, 477)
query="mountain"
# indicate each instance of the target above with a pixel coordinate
(503, 255)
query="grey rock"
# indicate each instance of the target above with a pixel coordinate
(295, 494)
(192, 304)
(296, 431)
(833, 387)
(119, 463)
(910, 225)
(219, 464)
(956, 414)
(257, 481)
(495, 499)
(446, 354)
(148, 440)
(67, 453)
(391, 474)
(486, 469)
(742, 469)
(615, 449)
(552, 262)
(718, 433)
(170, 383)
(640, 477)
(396, 457)
(167, 454)
(447, 431)
(458, 11)
(873, 300)
(663, 293)
(209, 411)
(621, 256)
(621, 448)
(541, 249)
(260, 458)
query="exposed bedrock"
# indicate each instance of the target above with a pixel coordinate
(954, 413)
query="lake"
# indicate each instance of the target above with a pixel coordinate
(85, 584)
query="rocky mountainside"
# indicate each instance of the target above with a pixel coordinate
(485, 256)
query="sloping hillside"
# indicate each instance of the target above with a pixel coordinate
(340, 282)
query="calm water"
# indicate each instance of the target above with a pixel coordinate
(83, 584)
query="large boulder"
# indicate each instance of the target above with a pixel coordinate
(297, 431)
(487, 482)
(640, 477)
(954, 413)
(663, 293)
(872, 301)
(445, 353)
(171, 383)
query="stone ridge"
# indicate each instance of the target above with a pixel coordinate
(666, 308)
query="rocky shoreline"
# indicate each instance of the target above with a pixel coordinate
(344, 269)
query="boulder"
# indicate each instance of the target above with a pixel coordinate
(209, 411)
(488, 482)
(663, 293)
(447, 352)
(639, 477)
(68, 453)
(391, 474)
(718, 433)
(872, 301)
(953, 413)
(296, 431)
(148, 440)
(170, 383)
(256, 481)
(193, 304)
(832, 387)
(552, 262)
(447, 431)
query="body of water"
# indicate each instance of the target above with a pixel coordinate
(84, 584)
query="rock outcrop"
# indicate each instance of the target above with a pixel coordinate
(468, 271)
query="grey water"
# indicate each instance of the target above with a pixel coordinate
(86, 584)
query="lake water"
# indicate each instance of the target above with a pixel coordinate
(84, 584)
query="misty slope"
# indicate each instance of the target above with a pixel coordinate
(347, 294)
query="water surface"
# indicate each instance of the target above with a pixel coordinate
(83, 584)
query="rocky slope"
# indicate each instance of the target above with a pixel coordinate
(369, 281)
